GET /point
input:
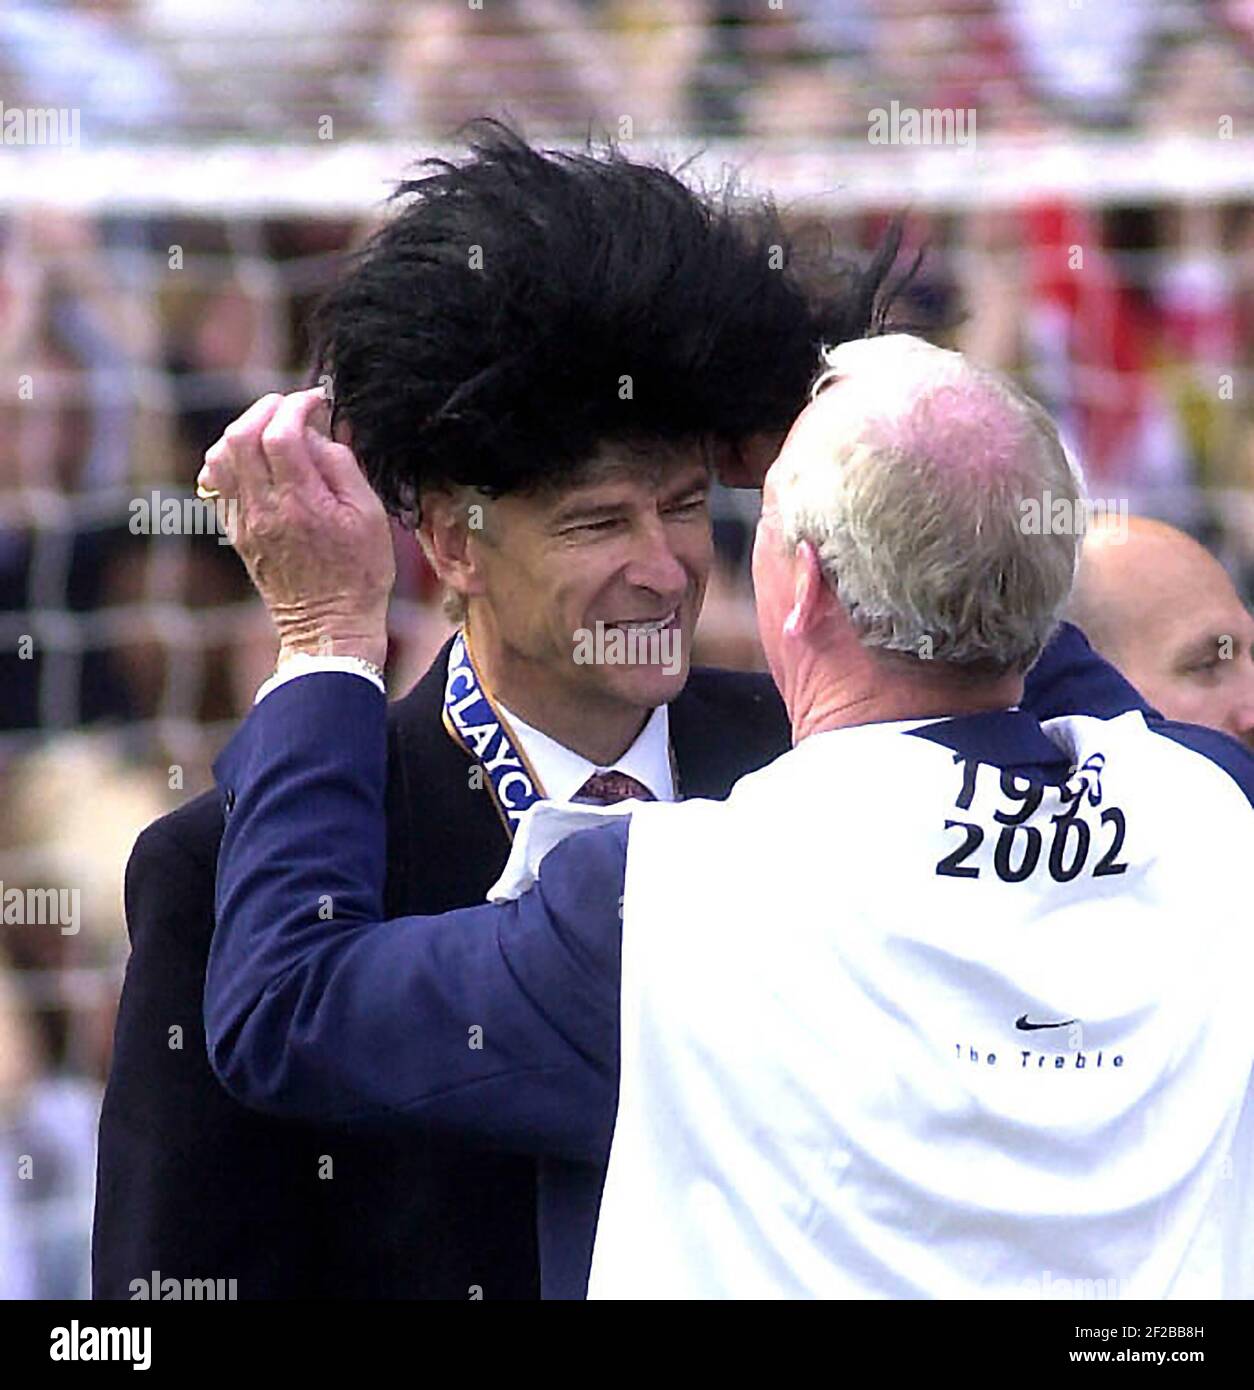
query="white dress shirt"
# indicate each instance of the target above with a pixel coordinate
(562, 771)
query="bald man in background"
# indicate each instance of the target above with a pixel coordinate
(1161, 608)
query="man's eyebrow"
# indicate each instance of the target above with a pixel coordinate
(694, 482)
(586, 511)
(591, 510)
(1208, 646)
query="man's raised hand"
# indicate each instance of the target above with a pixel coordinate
(311, 532)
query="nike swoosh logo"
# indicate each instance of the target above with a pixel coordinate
(1023, 1024)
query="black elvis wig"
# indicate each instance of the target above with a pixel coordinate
(524, 307)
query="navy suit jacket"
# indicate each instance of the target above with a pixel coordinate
(493, 1022)
(193, 1185)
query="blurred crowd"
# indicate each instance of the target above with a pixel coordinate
(764, 69)
(127, 343)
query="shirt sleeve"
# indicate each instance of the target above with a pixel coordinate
(305, 664)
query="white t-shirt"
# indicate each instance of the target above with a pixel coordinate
(892, 1027)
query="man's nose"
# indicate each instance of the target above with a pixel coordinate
(1241, 719)
(654, 564)
(1243, 723)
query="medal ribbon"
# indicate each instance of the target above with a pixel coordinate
(475, 723)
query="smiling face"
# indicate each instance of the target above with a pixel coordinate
(628, 545)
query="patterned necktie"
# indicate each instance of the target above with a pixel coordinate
(605, 788)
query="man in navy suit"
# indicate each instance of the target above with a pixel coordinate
(542, 361)
(818, 1047)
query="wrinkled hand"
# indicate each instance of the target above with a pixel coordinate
(308, 527)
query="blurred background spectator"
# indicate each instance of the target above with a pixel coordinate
(136, 323)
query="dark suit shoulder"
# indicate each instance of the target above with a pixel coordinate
(750, 691)
(746, 702)
(188, 836)
(725, 724)
(190, 832)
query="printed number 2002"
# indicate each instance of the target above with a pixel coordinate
(1017, 854)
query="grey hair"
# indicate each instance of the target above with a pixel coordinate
(453, 605)
(916, 498)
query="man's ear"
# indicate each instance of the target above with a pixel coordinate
(810, 592)
(450, 523)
